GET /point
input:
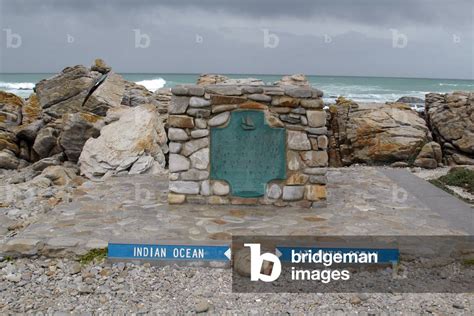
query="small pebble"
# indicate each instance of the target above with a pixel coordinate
(355, 300)
(458, 306)
(13, 278)
(75, 268)
(202, 306)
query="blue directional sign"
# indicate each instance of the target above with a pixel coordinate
(383, 255)
(169, 252)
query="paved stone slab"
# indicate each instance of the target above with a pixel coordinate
(453, 210)
(361, 201)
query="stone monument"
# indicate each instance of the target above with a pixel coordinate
(247, 144)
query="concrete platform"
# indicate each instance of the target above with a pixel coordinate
(361, 201)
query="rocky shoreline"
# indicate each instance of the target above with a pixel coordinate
(81, 104)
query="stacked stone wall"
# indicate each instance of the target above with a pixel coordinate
(194, 110)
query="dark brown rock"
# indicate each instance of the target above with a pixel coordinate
(77, 129)
(222, 99)
(46, 142)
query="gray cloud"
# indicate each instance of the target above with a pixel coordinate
(360, 33)
(372, 12)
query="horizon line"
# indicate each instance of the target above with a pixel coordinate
(248, 74)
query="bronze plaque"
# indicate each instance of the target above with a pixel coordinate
(248, 153)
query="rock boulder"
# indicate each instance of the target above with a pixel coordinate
(8, 141)
(10, 109)
(100, 66)
(451, 120)
(430, 156)
(294, 80)
(8, 160)
(69, 108)
(105, 94)
(207, 79)
(31, 111)
(59, 175)
(77, 129)
(67, 91)
(410, 100)
(46, 142)
(375, 133)
(10, 118)
(133, 143)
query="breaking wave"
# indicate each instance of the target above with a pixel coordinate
(17, 85)
(152, 84)
(455, 84)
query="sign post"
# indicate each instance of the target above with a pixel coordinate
(169, 251)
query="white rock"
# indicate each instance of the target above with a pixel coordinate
(293, 161)
(200, 123)
(293, 193)
(298, 141)
(194, 145)
(273, 191)
(13, 277)
(199, 133)
(206, 188)
(142, 165)
(184, 187)
(200, 159)
(177, 134)
(175, 147)
(219, 119)
(178, 163)
(220, 188)
(195, 174)
(138, 132)
(196, 102)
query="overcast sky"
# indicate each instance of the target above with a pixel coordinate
(399, 38)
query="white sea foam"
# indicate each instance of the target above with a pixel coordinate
(153, 84)
(448, 84)
(17, 85)
(454, 84)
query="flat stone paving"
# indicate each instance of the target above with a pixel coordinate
(361, 201)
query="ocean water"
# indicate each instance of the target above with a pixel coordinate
(362, 89)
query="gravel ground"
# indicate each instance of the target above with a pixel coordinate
(429, 174)
(60, 285)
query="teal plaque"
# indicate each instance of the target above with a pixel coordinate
(248, 153)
